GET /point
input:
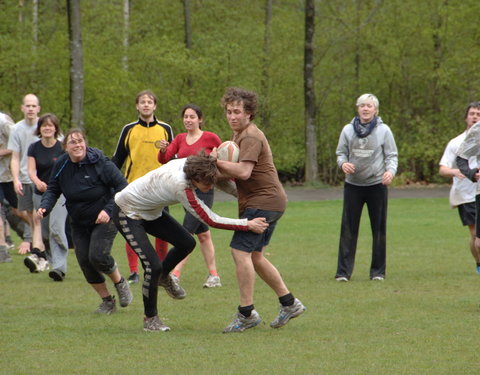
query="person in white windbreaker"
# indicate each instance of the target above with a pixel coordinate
(463, 191)
(139, 212)
(368, 156)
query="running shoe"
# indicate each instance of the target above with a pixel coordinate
(125, 296)
(154, 324)
(241, 322)
(212, 282)
(288, 312)
(56, 275)
(107, 306)
(32, 262)
(133, 278)
(172, 286)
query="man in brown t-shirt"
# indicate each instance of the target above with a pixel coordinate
(260, 194)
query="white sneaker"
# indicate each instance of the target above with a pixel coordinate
(212, 282)
(42, 265)
(378, 278)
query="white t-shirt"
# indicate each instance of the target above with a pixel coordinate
(462, 190)
(21, 137)
(6, 125)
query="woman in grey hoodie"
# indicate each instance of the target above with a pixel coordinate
(367, 154)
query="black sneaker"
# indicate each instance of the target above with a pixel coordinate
(133, 278)
(56, 275)
(32, 263)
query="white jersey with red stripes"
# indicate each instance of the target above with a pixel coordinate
(146, 197)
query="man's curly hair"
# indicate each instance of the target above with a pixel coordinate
(201, 168)
(235, 95)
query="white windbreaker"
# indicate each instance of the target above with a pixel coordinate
(146, 197)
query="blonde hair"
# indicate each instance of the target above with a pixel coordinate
(362, 99)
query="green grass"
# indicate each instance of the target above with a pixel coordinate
(421, 320)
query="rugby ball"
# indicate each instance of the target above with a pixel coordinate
(228, 151)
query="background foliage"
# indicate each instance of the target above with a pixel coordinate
(419, 58)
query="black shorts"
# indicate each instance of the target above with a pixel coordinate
(7, 192)
(190, 222)
(250, 241)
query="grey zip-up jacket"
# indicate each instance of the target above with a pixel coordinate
(372, 155)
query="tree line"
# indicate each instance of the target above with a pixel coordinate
(307, 59)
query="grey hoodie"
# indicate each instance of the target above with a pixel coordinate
(372, 155)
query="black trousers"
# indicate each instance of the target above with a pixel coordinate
(354, 198)
(136, 233)
(93, 245)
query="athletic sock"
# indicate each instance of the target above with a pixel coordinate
(213, 272)
(121, 281)
(176, 273)
(246, 311)
(39, 253)
(287, 299)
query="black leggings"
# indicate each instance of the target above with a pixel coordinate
(136, 233)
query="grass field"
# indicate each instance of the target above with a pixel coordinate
(421, 320)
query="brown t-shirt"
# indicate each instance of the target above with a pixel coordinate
(263, 189)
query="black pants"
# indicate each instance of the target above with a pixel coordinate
(93, 245)
(354, 198)
(136, 233)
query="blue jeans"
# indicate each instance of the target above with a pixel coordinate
(53, 228)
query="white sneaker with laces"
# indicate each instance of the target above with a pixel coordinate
(32, 263)
(212, 282)
(43, 265)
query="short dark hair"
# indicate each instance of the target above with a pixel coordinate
(472, 105)
(235, 95)
(53, 119)
(201, 168)
(74, 131)
(148, 93)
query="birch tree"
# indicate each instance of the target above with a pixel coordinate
(76, 64)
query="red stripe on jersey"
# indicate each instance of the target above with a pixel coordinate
(192, 201)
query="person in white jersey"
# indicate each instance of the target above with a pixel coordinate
(463, 190)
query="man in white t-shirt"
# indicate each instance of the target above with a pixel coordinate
(463, 191)
(21, 137)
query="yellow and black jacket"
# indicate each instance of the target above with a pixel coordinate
(138, 147)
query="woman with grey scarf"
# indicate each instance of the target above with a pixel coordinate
(367, 154)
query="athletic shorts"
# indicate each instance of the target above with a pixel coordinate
(7, 192)
(190, 222)
(25, 201)
(466, 211)
(250, 241)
